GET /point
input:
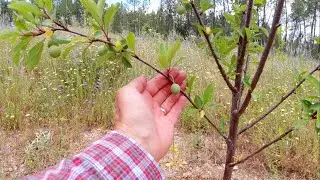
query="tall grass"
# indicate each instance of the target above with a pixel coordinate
(79, 92)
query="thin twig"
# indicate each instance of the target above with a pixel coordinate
(264, 57)
(216, 58)
(278, 103)
(263, 147)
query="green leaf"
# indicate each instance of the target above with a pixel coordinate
(247, 81)
(317, 40)
(126, 61)
(190, 83)
(39, 3)
(248, 33)
(200, 29)
(92, 8)
(243, 7)
(101, 5)
(163, 56)
(131, 41)
(207, 95)
(8, 33)
(224, 45)
(57, 40)
(239, 31)
(232, 65)
(67, 51)
(306, 104)
(264, 31)
(108, 56)
(20, 47)
(19, 22)
(49, 5)
(111, 12)
(314, 81)
(259, 2)
(25, 7)
(201, 44)
(172, 51)
(28, 17)
(118, 46)
(198, 102)
(299, 75)
(205, 5)
(230, 18)
(254, 47)
(98, 33)
(315, 106)
(300, 123)
(34, 55)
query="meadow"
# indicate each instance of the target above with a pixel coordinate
(64, 104)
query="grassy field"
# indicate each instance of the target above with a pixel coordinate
(45, 114)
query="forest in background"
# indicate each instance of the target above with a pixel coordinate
(300, 23)
(44, 112)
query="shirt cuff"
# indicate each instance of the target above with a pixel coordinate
(117, 155)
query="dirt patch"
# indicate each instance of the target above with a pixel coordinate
(193, 156)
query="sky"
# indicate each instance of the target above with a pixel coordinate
(154, 4)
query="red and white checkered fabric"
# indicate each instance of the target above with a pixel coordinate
(115, 156)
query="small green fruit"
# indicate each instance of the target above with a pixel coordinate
(181, 10)
(175, 88)
(54, 51)
(102, 50)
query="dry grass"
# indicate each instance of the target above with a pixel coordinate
(63, 99)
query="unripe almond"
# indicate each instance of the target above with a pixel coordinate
(181, 10)
(54, 51)
(175, 88)
(102, 50)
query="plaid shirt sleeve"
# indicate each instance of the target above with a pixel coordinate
(115, 156)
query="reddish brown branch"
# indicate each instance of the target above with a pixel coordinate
(216, 58)
(264, 57)
(263, 147)
(33, 34)
(278, 103)
(243, 41)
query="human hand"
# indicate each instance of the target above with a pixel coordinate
(139, 114)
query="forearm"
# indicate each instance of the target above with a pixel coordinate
(115, 156)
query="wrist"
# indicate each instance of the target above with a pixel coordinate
(139, 140)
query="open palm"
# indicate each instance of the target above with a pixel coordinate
(147, 111)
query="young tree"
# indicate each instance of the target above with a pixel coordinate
(234, 47)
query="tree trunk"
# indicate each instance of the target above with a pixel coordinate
(286, 28)
(214, 13)
(135, 16)
(305, 45)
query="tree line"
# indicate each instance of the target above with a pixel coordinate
(300, 24)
